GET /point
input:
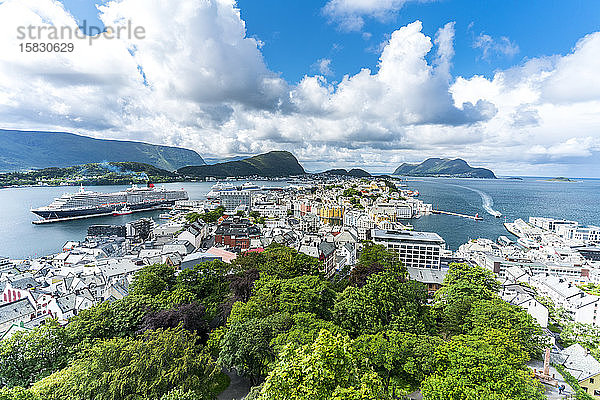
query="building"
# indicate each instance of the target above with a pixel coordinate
(236, 233)
(107, 230)
(432, 278)
(578, 362)
(524, 297)
(414, 249)
(232, 199)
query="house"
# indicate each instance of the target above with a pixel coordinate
(183, 247)
(224, 255)
(15, 313)
(236, 233)
(524, 297)
(578, 362)
(14, 328)
(191, 260)
(433, 278)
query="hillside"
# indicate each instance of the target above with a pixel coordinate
(444, 167)
(113, 173)
(271, 164)
(355, 172)
(26, 150)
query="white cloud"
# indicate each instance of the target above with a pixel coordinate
(350, 14)
(490, 47)
(198, 81)
(323, 66)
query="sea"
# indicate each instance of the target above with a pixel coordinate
(514, 198)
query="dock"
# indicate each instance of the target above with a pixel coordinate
(475, 217)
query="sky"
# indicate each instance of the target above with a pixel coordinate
(510, 85)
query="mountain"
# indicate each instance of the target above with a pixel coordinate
(25, 150)
(113, 173)
(444, 167)
(355, 172)
(271, 164)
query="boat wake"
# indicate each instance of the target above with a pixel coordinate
(487, 201)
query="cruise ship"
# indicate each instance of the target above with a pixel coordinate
(86, 204)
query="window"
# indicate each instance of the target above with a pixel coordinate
(596, 392)
(591, 380)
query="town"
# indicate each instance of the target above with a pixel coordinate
(551, 269)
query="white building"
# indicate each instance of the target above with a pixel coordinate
(415, 249)
(232, 199)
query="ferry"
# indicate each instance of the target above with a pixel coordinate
(123, 211)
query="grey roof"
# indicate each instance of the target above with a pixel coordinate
(67, 302)
(24, 283)
(326, 248)
(427, 275)
(16, 310)
(407, 236)
(577, 361)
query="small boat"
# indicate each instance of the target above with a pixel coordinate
(123, 211)
(165, 216)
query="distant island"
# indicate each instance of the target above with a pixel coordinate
(270, 165)
(355, 172)
(113, 173)
(444, 167)
(560, 179)
(27, 150)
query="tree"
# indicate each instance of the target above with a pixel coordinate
(17, 393)
(463, 285)
(384, 302)
(482, 367)
(152, 280)
(107, 320)
(146, 367)
(329, 368)
(300, 294)
(374, 258)
(190, 316)
(246, 345)
(26, 357)
(402, 360)
(586, 335)
(305, 330)
(284, 262)
(518, 325)
(208, 282)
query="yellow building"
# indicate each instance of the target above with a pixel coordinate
(591, 385)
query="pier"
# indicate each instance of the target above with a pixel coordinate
(475, 217)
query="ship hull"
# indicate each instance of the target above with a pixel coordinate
(98, 211)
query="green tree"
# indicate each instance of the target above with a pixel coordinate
(482, 367)
(386, 301)
(300, 294)
(463, 285)
(26, 357)
(146, 367)
(107, 320)
(246, 345)
(329, 368)
(17, 393)
(305, 330)
(486, 315)
(152, 280)
(208, 282)
(402, 360)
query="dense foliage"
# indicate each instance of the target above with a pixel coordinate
(273, 318)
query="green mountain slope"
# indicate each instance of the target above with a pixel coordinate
(355, 172)
(24, 150)
(444, 167)
(272, 164)
(113, 173)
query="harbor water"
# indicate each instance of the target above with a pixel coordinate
(579, 201)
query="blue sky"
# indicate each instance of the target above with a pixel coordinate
(512, 85)
(297, 33)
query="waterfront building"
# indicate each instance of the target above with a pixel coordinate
(414, 249)
(232, 199)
